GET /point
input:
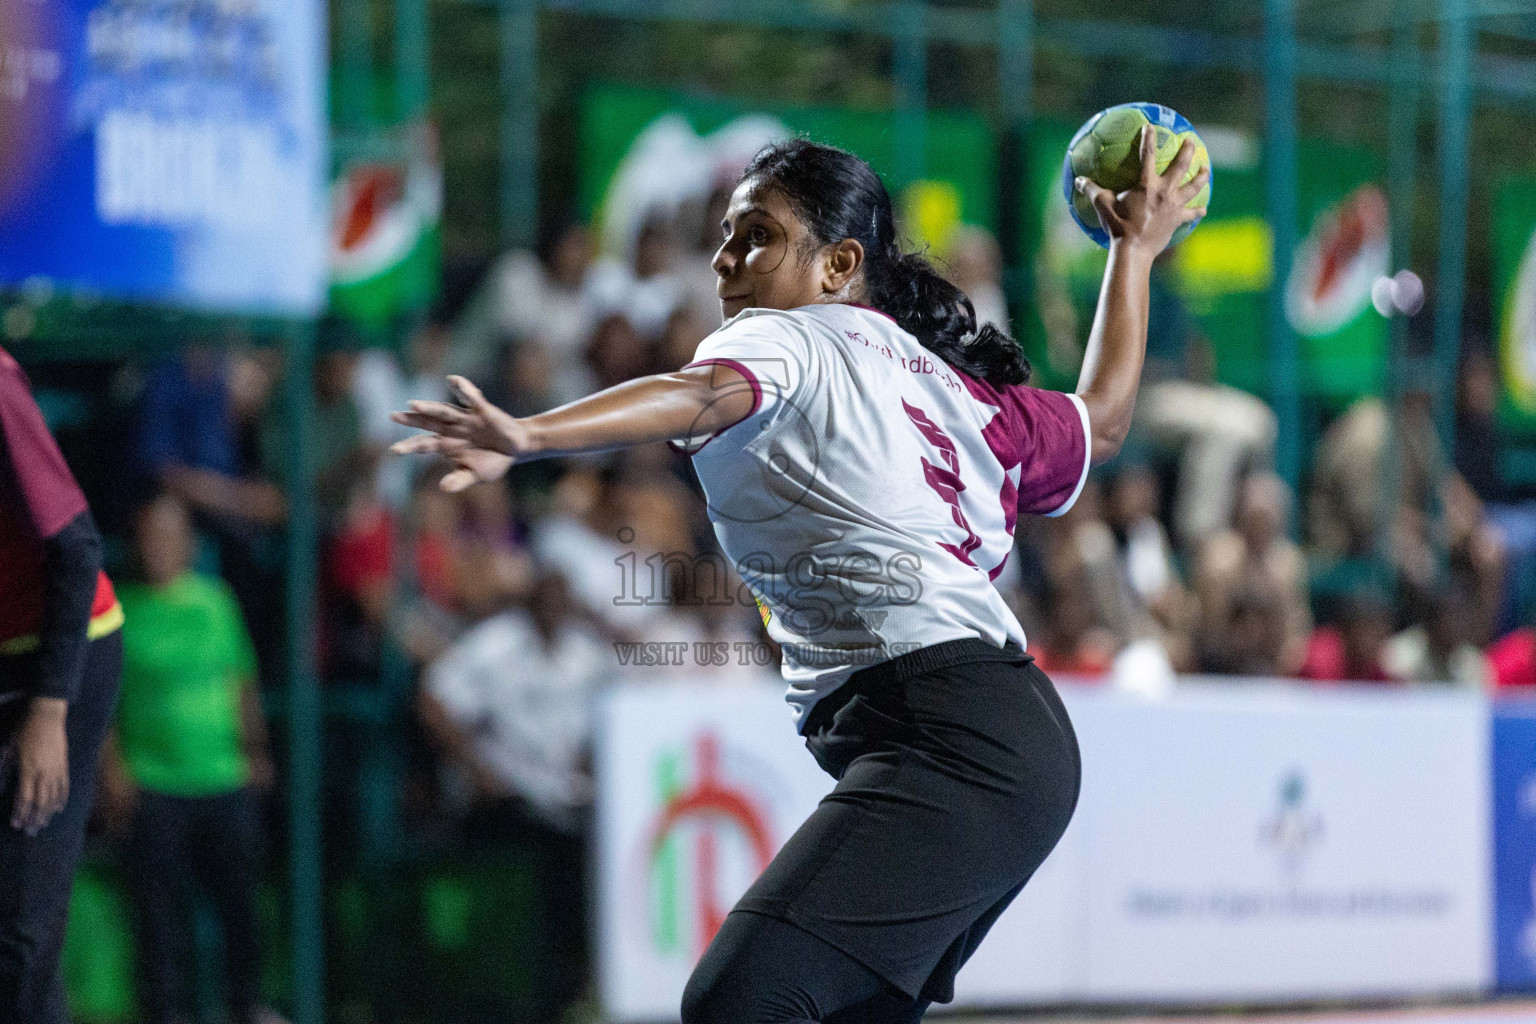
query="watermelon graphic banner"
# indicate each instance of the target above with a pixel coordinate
(170, 152)
(1213, 284)
(1514, 271)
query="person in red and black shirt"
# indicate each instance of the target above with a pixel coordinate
(60, 655)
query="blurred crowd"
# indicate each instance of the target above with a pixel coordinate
(492, 616)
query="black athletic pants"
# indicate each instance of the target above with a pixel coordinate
(214, 843)
(759, 970)
(37, 872)
(958, 772)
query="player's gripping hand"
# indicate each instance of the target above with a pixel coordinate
(481, 441)
(1146, 217)
(41, 753)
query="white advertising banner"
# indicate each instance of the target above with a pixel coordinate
(1233, 842)
(1271, 843)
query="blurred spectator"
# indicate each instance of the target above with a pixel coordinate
(336, 435)
(510, 706)
(186, 441)
(1244, 634)
(1071, 642)
(1438, 650)
(1479, 444)
(1352, 651)
(380, 387)
(357, 583)
(616, 352)
(1217, 433)
(696, 266)
(189, 759)
(1255, 560)
(975, 265)
(1147, 559)
(648, 288)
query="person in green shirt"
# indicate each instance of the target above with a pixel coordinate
(186, 766)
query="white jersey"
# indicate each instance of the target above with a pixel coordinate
(870, 498)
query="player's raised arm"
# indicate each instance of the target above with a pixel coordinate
(1140, 222)
(483, 441)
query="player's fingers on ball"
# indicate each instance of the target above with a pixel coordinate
(1104, 203)
(1181, 162)
(1148, 156)
(1192, 214)
(1192, 188)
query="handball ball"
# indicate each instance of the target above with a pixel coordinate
(1107, 150)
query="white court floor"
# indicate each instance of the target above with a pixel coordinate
(1522, 1012)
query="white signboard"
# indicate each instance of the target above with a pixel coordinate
(1235, 841)
(1270, 843)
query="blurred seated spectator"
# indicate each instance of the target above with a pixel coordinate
(1255, 554)
(1071, 641)
(647, 289)
(1438, 649)
(510, 707)
(543, 295)
(183, 774)
(1147, 559)
(603, 532)
(1217, 434)
(357, 583)
(1244, 635)
(1354, 650)
(616, 352)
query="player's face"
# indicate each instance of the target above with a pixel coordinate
(763, 261)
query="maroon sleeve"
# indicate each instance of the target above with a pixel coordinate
(1056, 450)
(49, 496)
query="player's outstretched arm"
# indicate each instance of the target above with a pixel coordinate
(1140, 222)
(483, 441)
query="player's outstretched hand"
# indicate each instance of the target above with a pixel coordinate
(41, 752)
(1146, 216)
(480, 440)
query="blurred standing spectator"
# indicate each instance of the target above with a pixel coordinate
(186, 444)
(510, 706)
(1479, 444)
(189, 759)
(696, 267)
(185, 440)
(1256, 560)
(1217, 433)
(336, 435)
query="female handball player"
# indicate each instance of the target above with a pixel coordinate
(865, 449)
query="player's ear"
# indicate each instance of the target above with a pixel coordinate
(841, 264)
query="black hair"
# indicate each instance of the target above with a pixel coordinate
(837, 195)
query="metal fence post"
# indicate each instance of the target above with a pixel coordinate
(1015, 91)
(305, 754)
(1456, 45)
(1280, 190)
(519, 122)
(910, 69)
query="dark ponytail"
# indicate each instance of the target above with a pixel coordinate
(837, 195)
